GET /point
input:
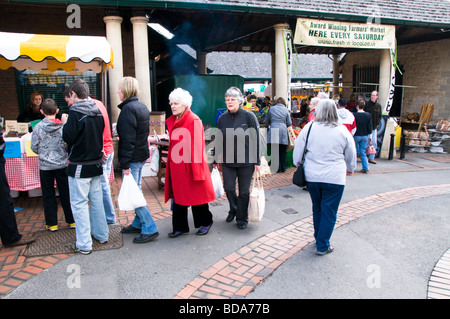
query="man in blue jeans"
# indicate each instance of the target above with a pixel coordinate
(83, 133)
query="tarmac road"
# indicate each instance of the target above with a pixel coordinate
(388, 253)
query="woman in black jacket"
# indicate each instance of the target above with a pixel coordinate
(133, 129)
(239, 131)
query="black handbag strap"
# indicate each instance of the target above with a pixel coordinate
(306, 143)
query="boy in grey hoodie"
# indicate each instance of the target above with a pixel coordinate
(47, 142)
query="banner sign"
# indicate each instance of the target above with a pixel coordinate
(288, 51)
(344, 34)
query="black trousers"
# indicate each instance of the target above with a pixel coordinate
(49, 198)
(8, 224)
(281, 156)
(201, 213)
(238, 203)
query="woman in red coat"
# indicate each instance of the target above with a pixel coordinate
(188, 180)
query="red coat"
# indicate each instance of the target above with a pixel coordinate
(188, 179)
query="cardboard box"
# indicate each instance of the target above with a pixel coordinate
(157, 123)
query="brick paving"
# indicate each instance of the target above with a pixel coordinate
(237, 274)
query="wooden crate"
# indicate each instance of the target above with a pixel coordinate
(157, 123)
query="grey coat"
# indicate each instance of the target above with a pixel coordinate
(47, 142)
(278, 119)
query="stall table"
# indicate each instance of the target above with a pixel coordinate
(22, 173)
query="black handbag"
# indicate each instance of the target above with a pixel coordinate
(299, 175)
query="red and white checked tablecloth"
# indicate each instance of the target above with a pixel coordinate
(22, 173)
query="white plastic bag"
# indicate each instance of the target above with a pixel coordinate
(257, 203)
(130, 196)
(154, 162)
(217, 183)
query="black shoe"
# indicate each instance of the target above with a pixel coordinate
(230, 218)
(175, 234)
(130, 230)
(204, 230)
(145, 238)
(242, 226)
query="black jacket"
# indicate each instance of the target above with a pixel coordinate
(374, 108)
(83, 133)
(133, 129)
(242, 135)
(363, 123)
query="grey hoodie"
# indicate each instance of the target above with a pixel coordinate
(47, 142)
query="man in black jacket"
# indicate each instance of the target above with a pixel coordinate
(83, 132)
(374, 108)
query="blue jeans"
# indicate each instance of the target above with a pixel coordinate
(325, 199)
(85, 193)
(106, 190)
(374, 137)
(361, 146)
(142, 220)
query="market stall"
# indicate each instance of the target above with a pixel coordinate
(48, 62)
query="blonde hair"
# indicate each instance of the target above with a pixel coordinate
(129, 87)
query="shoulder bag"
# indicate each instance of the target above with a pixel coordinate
(299, 175)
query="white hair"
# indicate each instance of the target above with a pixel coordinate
(326, 112)
(314, 101)
(322, 95)
(236, 93)
(182, 96)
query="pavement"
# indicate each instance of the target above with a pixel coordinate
(391, 241)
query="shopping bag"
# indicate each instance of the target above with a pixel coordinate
(217, 183)
(154, 161)
(370, 150)
(257, 202)
(130, 195)
(291, 138)
(299, 176)
(264, 168)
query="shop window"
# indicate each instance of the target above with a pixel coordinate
(52, 85)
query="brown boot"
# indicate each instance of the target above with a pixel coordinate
(25, 240)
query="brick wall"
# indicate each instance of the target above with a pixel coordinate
(426, 66)
(9, 105)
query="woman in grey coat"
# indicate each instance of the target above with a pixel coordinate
(278, 120)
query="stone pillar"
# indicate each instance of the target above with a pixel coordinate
(336, 74)
(281, 76)
(385, 77)
(115, 74)
(201, 62)
(273, 77)
(141, 59)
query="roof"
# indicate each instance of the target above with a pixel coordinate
(257, 65)
(413, 12)
(247, 25)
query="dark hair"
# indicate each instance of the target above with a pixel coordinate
(66, 92)
(80, 88)
(360, 104)
(49, 106)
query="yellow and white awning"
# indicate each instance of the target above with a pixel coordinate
(40, 51)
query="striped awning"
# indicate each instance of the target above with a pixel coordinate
(40, 51)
